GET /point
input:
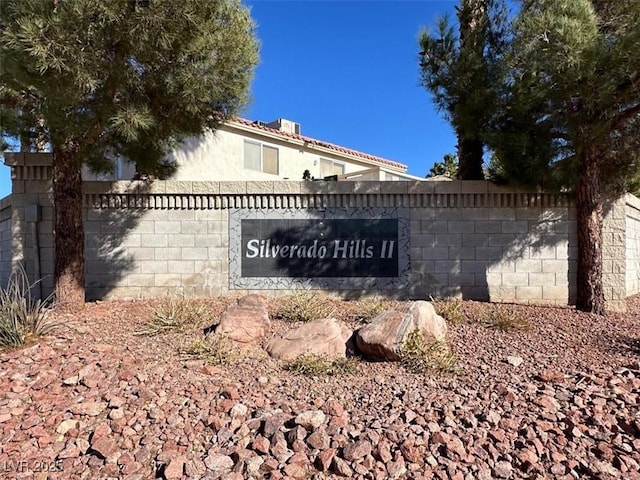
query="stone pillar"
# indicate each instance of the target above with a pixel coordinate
(614, 255)
(32, 218)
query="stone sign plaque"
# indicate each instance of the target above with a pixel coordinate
(339, 248)
(320, 248)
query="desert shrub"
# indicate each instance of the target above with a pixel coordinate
(214, 350)
(318, 365)
(174, 314)
(368, 308)
(449, 309)
(505, 318)
(21, 317)
(301, 307)
(418, 356)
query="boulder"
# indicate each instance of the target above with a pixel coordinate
(246, 322)
(382, 339)
(324, 337)
(253, 300)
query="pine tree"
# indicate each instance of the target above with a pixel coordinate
(462, 72)
(94, 80)
(570, 118)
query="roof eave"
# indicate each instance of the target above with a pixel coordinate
(313, 146)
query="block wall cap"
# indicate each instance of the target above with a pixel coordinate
(28, 159)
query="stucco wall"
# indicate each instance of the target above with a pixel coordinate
(632, 244)
(219, 156)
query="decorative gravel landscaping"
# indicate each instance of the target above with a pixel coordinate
(534, 392)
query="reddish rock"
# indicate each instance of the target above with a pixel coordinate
(383, 452)
(503, 470)
(89, 408)
(195, 468)
(212, 370)
(270, 465)
(175, 468)
(105, 447)
(412, 453)
(333, 407)
(604, 451)
(218, 463)
(325, 458)
(497, 435)
(319, 439)
(125, 459)
(273, 423)
(245, 323)
(31, 421)
(296, 471)
(261, 444)
(341, 468)
(452, 443)
(301, 462)
(550, 375)
(384, 336)
(131, 468)
(527, 455)
(397, 468)
(70, 451)
(279, 445)
(254, 300)
(325, 337)
(230, 392)
(356, 450)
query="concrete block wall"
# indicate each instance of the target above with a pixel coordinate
(469, 239)
(5, 240)
(491, 243)
(501, 254)
(632, 234)
(614, 252)
(159, 252)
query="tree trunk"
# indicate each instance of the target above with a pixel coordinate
(68, 231)
(590, 296)
(471, 15)
(470, 152)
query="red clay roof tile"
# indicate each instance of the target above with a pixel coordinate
(321, 143)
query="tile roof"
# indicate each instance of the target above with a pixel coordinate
(320, 143)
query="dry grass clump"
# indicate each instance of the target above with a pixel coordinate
(301, 307)
(505, 318)
(449, 309)
(21, 317)
(366, 309)
(175, 314)
(421, 357)
(213, 350)
(318, 365)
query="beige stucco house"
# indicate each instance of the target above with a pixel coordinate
(257, 151)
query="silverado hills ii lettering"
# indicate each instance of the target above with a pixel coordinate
(257, 248)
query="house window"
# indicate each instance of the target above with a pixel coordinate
(261, 158)
(329, 167)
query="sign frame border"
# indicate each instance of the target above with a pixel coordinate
(237, 281)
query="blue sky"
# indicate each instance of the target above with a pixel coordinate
(347, 71)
